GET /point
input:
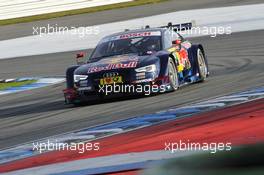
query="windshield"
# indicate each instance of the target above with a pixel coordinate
(123, 44)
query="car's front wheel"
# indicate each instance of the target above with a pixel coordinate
(173, 75)
(202, 66)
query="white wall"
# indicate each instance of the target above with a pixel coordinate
(234, 17)
(20, 8)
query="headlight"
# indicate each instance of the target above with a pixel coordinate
(78, 78)
(150, 68)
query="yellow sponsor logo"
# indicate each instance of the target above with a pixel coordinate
(111, 80)
(173, 49)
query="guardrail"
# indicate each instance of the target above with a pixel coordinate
(21, 8)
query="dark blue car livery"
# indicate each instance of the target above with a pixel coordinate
(152, 56)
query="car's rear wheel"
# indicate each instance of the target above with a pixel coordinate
(173, 75)
(202, 66)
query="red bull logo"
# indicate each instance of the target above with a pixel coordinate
(131, 64)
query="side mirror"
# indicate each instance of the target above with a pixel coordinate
(80, 55)
(177, 42)
(80, 58)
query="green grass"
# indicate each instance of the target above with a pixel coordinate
(78, 11)
(4, 86)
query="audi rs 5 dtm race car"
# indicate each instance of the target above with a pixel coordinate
(127, 62)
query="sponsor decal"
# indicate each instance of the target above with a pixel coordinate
(131, 64)
(140, 34)
(111, 80)
(110, 74)
(186, 44)
(183, 56)
(115, 60)
(119, 59)
(183, 60)
(132, 35)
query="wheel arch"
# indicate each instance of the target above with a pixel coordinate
(193, 57)
(164, 60)
(69, 76)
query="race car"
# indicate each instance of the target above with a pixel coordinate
(157, 58)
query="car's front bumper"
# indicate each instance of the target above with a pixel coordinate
(91, 93)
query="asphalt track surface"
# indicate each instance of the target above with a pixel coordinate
(236, 63)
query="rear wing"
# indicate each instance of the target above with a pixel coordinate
(174, 27)
(178, 27)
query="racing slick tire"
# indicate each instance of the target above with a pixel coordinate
(202, 65)
(173, 75)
